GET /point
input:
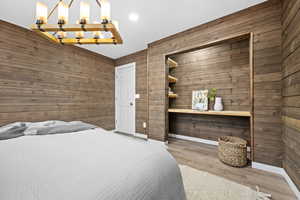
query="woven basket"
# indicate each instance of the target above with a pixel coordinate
(233, 151)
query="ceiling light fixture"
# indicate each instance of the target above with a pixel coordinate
(58, 32)
(133, 17)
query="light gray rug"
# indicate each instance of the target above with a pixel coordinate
(200, 185)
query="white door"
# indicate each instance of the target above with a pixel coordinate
(125, 98)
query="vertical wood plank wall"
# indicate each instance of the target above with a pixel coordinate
(140, 58)
(40, 80)
(264, 21)
(224, 67)
(291, 88)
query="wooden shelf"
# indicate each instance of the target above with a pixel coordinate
(172, 79)
(220, 113)
(173, 96)
(171, 63)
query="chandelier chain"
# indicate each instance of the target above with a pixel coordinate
(53, 9)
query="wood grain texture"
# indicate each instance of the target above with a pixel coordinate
(264, 21)
(291, 88)
(209, 127)
(40, 80)
(218, 113)
(140, 58)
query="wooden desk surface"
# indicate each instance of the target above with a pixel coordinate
(220, 113)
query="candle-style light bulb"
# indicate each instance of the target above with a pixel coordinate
(61, 34)
(63, 13)
(41, 13)
(79, 34)
(84, 12)
(105, 11)
(97, 34)
(116, 24)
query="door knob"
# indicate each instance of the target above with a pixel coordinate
(131, 103)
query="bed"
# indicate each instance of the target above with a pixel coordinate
(92, 164)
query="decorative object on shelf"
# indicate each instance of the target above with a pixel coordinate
(232, 151)
(58, 32)
(218, 104)
(200, 100)
(211, 96)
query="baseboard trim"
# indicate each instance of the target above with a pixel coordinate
(291, 184)
(140, 135)
(145, 137)
(269, 168)
(194, 139)
(280, 171)
(157, 142)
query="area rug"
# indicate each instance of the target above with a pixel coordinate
(200, 185)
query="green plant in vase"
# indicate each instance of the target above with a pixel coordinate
(211, 96)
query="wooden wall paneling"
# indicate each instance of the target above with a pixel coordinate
(40, 80)
(291, 88)
(170, 81)
(210, 127)
(140, 58)
(263, 20)
(251, 67)
(157, 83)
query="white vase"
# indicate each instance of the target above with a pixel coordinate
(218, 104)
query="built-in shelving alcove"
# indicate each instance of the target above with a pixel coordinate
(225, 64)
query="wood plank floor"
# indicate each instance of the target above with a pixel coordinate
(204, 157)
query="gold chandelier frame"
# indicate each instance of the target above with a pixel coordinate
(44, 30)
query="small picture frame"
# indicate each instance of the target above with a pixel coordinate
(200, 100)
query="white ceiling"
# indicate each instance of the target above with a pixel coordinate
(157, 18)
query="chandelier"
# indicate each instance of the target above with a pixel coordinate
(59, 32)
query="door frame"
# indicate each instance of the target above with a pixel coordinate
(117, 68)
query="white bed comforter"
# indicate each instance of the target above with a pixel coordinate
(87, 165)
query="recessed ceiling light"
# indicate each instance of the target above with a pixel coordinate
(133, 17)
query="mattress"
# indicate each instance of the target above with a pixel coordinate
(87, 165)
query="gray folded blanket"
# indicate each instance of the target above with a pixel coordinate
(12, 131)
(42, 128)
(69, 127)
